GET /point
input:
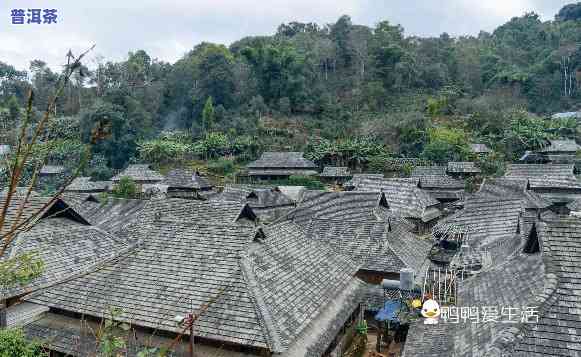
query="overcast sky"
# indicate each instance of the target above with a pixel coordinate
(166, 29)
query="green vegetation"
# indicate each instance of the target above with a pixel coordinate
(14, 344)
(20, 270)
(126, 188)
(346, 94)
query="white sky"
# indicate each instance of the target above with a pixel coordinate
(166, 29)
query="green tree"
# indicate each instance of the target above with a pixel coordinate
(208, 115)
(105, 126)
(446, 144)
(126, 188)
(13, 343)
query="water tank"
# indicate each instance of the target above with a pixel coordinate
(406, 279)
(390, 284)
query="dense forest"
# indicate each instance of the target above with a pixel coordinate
(344, 93)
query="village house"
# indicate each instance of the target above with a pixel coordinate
(555, 182)
(87, 185)
(542, 277)
(336, 175)
(361, 226)
(280, 166)
(268, 203)
(248, 300)
(489, 226)
(438, 183)
(560, 151)
(404, 198)
(183, 183)
(462, 170)
(142, 174)
(51, 176)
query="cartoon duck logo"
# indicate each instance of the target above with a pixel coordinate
(431, 311)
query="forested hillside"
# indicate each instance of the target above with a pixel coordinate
(341, 91)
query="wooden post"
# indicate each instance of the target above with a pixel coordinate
(192, 335)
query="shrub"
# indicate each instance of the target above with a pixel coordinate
(307, 181)
(221, 167)
(126, 188)
(14, 344)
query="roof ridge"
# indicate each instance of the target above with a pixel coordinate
(270, 325)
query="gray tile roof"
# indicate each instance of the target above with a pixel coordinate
(512, 187)
(295, 279)
(139, 173)
(113, 215)
(24, 313)
(515, 283)
(545, 281)
(556, 146)
(364, 242)
(371, 244)
(463, 167)
(85, 184)
(255, 197)
(559, 327)
(186, 179)
(282, 172)
(420, 171)
(269, 289)
(282, 160)
(357, 178)
(404, 197)
(36, 207)
(491, 223)
(65, 248)
(429, 340)
(545, 175)
(179, 210)
(549, 282)
(480, 148)
(154, 283)
(335, 171)
(348, 206)
(435, 177)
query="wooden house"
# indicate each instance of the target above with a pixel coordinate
(462, 169)
(182, 183)
(560, 151)
(268, 203)
(87, 185)
(555, 182)
(335, 174)
(196, 257)
(438, 183)
(141, 174)
(540, 285)
(404, 198)
(281, 165)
